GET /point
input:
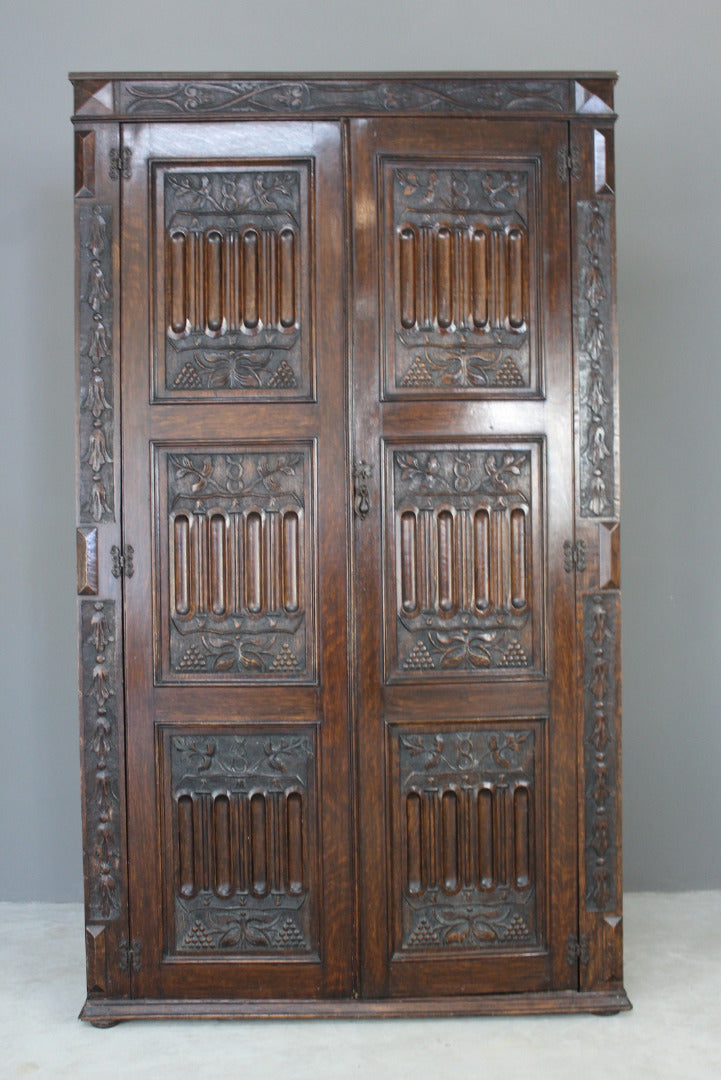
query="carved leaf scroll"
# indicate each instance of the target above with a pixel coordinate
(595, 361)
(101, 761)
(340, 97)
(95, 318)
(601, 750)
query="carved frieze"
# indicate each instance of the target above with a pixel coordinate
(234, 317)
(462, 540)
(95, 330)
(239, 568)
(101, 759)
(466, 837)
(243, 833)
(458, 320)
(198, 98)
(601, 750)
(594, 347)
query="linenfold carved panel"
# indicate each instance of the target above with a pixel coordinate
(462, 565)
(236, 568)
(460, 317)
(466, 821)
(233, 317)
(243, 837)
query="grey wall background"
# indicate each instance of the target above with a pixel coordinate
(668, 180)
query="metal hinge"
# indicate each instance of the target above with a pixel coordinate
(574, 556)
(578, 950)
(130, 955)
(122, 561)
(568, 162)
(120, 163)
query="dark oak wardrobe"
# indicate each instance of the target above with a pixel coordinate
(348, 544)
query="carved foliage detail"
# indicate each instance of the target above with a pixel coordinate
(239, 564)
(601, 751)
(101, 762)
(463, 538)
(96, 376)
(467, 838)
(340, 97)
(595, 361)
(243, 835)
(460, 317)
(237, 286)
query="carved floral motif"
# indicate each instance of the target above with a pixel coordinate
(341, 96)
(595, 360)
(101, 761)
(600, 751)
(97, 502)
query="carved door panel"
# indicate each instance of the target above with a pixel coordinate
(233, 384)
(465, 648)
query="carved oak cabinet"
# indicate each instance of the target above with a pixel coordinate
(348, 544)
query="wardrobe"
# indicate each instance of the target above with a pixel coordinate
(348, 544)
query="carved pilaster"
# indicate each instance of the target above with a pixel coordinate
(100, 674)
(101, 763)
(601, 751)
(95, 322)
(594, 350)
(597, 526)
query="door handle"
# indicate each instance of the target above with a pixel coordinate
(362, 472)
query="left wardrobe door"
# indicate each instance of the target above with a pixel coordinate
(235, 503)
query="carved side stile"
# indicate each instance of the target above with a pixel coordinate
(598, 580)
(100, 653)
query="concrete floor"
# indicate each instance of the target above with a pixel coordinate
(673, 977)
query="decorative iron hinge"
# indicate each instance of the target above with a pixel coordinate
(120, 163)
(578, 950)
(568, 162)
(122, 561)
(130, 955)
(574, 556)
(362, 472)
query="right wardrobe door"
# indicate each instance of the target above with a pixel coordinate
(463, 425)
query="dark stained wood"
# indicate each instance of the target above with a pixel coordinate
(601, 1002)
(447, 453)
(354, 657)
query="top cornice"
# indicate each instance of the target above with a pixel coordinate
(170, 96)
